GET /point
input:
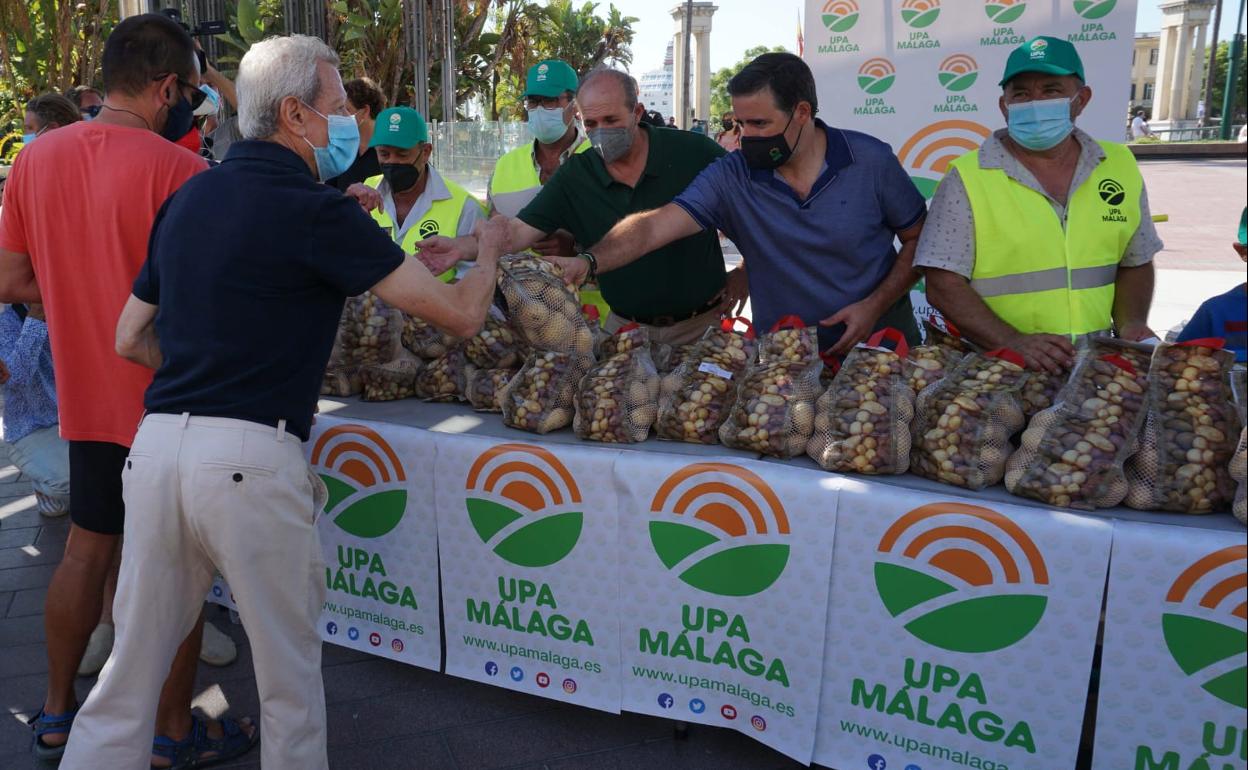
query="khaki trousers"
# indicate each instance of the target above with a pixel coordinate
(205, 494)
(680, 333)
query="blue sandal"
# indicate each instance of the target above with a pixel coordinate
(189, 752)
(43, 724)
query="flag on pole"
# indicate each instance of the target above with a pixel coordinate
(801, 41)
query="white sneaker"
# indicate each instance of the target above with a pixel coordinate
(218, 649)
(99, 647)
(50, 506)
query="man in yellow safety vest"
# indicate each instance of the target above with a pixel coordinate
(1044, 234)
(410, 199)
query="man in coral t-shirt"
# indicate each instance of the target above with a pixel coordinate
(78, 211)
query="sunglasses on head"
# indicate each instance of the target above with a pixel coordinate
(197, 96)
(92, 111)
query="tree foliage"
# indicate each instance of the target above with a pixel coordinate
(720, 101)
(1220, 65)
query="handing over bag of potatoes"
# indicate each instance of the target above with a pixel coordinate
(862, 421)
(775, 409)
(541, 397)
(1189, 433)
(1073, 452)
(963, 423)
(617, 401)
(543, 311)
(696, 396)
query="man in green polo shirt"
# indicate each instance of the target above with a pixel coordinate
(679, 290)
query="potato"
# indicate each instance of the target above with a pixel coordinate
(483, 388)
(542, 392)
(424, 340)
(767, 417)
(544, 313)
(442, 379)
(496, 346)
(697, 396)
(389, 382)
(964, 422)
(616, 402)
(864, 416)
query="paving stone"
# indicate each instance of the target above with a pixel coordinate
(444, 702)
(538, 737)
(27, 602)
(20, 512)
(18, 578)
(374, 677)
(706, 748)
(21, 660)
(25, 630)
(427, 750)
(32, 556)
(16, 537)
(5, 598)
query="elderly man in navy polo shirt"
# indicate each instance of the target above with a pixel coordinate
(814, 210)
(238, 320)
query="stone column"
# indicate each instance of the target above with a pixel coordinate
(1195, 79)
(702, 75)
(1161, 91)
(680, 104)
(1178, 74)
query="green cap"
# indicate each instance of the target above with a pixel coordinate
(550, 78)
(1243, 226)
(400, 127)
(1043, 54)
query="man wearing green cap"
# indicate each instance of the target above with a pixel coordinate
(416, 201)
(1044, 234)
(1225, 315)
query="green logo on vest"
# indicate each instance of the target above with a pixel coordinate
(428, 228)
(1111, 192)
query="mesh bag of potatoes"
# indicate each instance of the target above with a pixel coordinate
(862, 421)
(963, 423)
(543, 311)
(1040, 390)
(341, 381)
(390, 381)
(442, 379)
(483, 388)
(775, 409)
(1239, 474)
(941, 350)
(618, 400)
(1073, 452)
(542, 395)
(496, 346)
(1189, 433)
(695, 398)
(368, 332)
(424, 340)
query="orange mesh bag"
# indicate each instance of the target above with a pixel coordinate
(862, 421)
(963, 423)
(541, 397)
(617, 401)
(1073, 452)
(1189, 433)
(775, 409)
(543, 311)
(695, 398)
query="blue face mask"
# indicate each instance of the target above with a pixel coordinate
(27, 138)
(344, 144)
(546, 124)
(1040, 125)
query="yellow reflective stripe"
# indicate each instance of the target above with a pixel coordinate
(1021, 283)
(1093, 277)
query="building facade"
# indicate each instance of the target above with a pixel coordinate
(1144, 60)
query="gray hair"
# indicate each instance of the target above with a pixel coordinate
(270, 71)
(626, 82)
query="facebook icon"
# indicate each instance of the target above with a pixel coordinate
(491, 668)
(331, 627)
(876, 762)
(666, 701)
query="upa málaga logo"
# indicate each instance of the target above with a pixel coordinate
(524, 504)
(1094, 9)
(1205, 623)
(919, 13)
(840, 15)
(1005, 11)
(365, 480)
(926, 155)
(721, 529)
(876, 76)
(958, 72)
(961, 577)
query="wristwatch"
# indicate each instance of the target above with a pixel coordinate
(593, 264)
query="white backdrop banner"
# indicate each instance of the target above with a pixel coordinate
(1174, 681)
(379, 538)
(530, 584)
(959, 635)
(922, 74)
(724, 594)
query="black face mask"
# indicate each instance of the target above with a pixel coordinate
(400, 176)
(768, 152)
(181, 119)
(727, 125)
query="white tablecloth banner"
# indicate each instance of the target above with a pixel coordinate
(723, 594)
(1173, 676)
(379, 538)
(530, 583)
(959, 635)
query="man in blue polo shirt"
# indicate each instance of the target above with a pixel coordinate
(814, 210)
